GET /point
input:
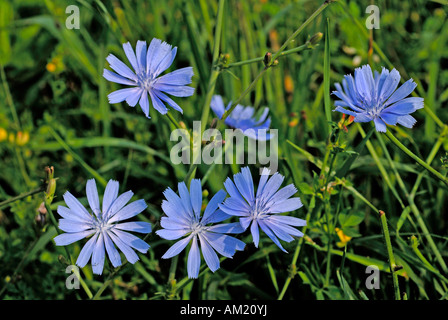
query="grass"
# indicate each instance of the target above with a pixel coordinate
(54, 112)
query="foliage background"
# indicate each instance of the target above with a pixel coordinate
(52, 86)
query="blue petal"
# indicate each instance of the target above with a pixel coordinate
(390, 84)
(110, 194)
(129, 211)
(235, 195)
(234, 227)
(286, 205)
(174, 90)
(194, 259)
(217, 105)
(73, 226)
(389, 118)
(133, 97)
(144, 103)
(131, 240)
(173, 223)
(407, 121)
(225, 245)
(168, 100)
(245, 184)
(157, 103)
(118, 204)
(140, 51)
(275, 225)
(112, 252)
(130, 255)
(405, 106)
(402, 92)
(92, 197)
(130, 55)
(166, 62)
(68, 214)
(177, 248)
(281, 231)
(271, 187)
(86, 252)
(121, 94)
(271, 235)
(380, 125)
(210, 256)
(179, 77)
(217, 216)
(255, 233)
(157, 51)
(68, 238)
(135, 226)
(98, 255)
(172, 234)
(196, 196)
(213, 204)
(121, 68)
(293, 221)
(113, 77)
(363, 117)
(76, 207)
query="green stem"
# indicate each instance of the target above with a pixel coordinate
(75, 270)
(260, 59)
(77, 157)
(275, 56)
(434, 172)
(390, 254)
(214, 73)
(21, 196)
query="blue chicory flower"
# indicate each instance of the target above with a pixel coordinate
(148, 65)
(183, 218)
(104, 225)
(262, 209)
(243, 118)
(374, 97)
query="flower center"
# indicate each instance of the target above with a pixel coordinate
(258, 210)
(145, 81)
(197, 228)
(101, 225)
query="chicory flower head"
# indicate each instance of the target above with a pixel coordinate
(104, 225)
(376, 97)
(148, 65)
(261, 209)
(243, 118)
(183, 219)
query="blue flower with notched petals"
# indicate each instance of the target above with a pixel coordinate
(148, 65)
(262, 209)
(374, 97)
(243, 118)
(183, 219)
(105, 226)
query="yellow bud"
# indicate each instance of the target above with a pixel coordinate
(3, 134)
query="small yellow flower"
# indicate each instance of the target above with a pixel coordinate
(22, 138)
(343, 237)
(3, 134)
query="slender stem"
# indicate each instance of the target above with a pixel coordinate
(390, 254)
(214, 73)
(77, 157)
(75, 270)
(275, 56)
(295, 257)
(301, 48)
(9, 98)
(300, 29)
(21, 196)
(437, 174)
(173, 121)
